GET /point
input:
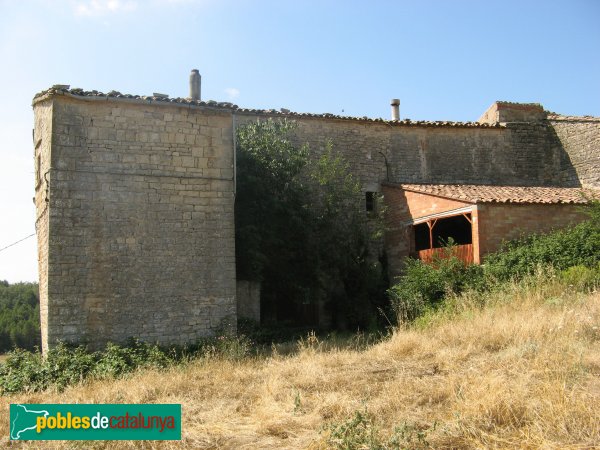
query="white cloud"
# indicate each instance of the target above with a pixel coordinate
(232, 93)
(92, 8)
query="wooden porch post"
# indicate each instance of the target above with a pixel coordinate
(430, 225)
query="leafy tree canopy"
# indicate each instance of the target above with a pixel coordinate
(19, 315)
(302, 229)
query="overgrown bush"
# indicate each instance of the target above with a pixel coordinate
(302, 230)
(29, 371)
(66, 365)
(115, 360)
(582, 278)
(424, 285)
(574, 246)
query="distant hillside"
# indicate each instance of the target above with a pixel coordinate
(19, 315)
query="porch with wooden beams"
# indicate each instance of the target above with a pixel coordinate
(462, 251)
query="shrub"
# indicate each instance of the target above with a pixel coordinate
(116, 360)
(423, 285)
(65, 365)
(360, 433)
(582, 278)
(302, 231)
(22, 372)
(575, 246)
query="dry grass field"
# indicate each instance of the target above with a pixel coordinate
(523, 372)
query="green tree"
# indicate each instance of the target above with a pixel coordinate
(269, 196)
(301, 228)
(350, 278)
(19, 316)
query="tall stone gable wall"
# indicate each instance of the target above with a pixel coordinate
(521, 154)
(135, 221)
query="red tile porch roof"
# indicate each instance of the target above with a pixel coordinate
(503, 194)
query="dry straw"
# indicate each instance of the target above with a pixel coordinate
(522, 372)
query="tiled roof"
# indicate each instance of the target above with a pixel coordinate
(163, 99)
(520, 105)
(560, 117)
(504, 194)
(59, 89)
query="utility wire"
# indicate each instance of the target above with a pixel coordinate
(15, 243)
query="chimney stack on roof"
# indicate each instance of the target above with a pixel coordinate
(195, 84)
(395, 109)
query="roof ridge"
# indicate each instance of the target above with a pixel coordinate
(163, 99)
(556, 116)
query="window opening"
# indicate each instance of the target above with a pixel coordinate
(370, 201)
(436, 233)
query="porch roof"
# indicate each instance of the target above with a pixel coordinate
(473, 193)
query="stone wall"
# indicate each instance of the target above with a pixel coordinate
(141, 229)
(517, 153)
(580, 137)
(514, 154)
(503, 112)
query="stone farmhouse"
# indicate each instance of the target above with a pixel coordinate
(135, 199)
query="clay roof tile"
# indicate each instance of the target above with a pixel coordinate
(504, 194)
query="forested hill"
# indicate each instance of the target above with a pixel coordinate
(19, 315)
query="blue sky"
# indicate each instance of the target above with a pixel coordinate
(445, 60)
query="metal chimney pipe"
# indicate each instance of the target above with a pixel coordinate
(395, 109)
(195, 84)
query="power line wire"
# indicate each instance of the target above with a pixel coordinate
(15, 243)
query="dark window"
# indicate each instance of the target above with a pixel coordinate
(421, 237)
(458, 228)
(370, 201)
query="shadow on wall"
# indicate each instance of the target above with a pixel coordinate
(559, 169)
(579, 138)
(521, 154)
